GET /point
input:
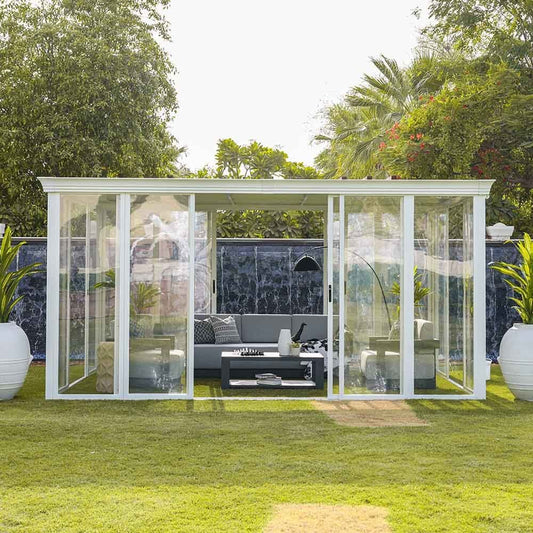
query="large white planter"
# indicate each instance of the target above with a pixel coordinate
(516, 360)
(15, 359)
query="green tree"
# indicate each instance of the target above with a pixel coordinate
(444, 137)
(256, 161)
(253, 161)
(356, 128)
(496, 31)
(499, 29)
(86, 90)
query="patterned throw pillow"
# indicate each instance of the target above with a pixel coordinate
(203, 332)
(225, 330)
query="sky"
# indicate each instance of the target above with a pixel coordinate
(265, 70)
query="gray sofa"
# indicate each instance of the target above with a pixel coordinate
(260, 332)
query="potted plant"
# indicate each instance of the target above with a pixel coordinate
(516, 348)
(420, 292)
(295, 349)
(15, 354)
(143, 297)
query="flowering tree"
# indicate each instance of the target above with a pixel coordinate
(449, 135)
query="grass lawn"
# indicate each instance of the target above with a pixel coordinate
(210, 466)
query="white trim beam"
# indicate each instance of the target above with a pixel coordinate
(52, 297)
(122, 347)
(342, 295)
(190, 308)
(407, 305)
(479, 260)
(278, 187)
(328, 295)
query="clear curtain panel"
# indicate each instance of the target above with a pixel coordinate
(443, 296)
(159, 291)
(202, 265)
(373, 252)
(87, 294)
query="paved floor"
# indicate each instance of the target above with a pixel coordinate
(377, 413)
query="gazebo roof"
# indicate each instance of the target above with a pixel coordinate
(214, 194)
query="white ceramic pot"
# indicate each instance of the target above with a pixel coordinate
(295, 352)
(284, 342)
(15, 359)
(516, 360)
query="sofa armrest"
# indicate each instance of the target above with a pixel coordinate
(372, 340)
(382, 345)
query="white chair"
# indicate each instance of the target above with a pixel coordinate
(381, 361)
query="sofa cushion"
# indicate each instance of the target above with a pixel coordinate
(423, 329)
(225, 330)
(152, 364)
(237, 319)
(317, 326)
(263, 328)
(203, 332)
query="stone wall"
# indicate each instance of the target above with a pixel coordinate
(256, 276)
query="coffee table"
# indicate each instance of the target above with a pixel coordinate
(316, 359)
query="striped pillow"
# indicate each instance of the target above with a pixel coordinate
(225, 330)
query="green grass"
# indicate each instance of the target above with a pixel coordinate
(210, 466)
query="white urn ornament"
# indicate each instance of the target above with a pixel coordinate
(15, 355)
(516, 348)
(284, 342)
(499, 232)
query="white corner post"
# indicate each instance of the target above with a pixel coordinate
(190, 307)
(87, 280)
(52, 297)
(122, 269)
(407, 308)
(480, 348)
(342, 293)
(328, 295)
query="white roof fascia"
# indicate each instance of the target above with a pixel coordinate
(227, 186)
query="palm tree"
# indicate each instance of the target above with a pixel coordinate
(356, 129)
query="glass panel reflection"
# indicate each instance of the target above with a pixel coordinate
(373, 251)
(87, 310)
(159, 288)
(444, 266)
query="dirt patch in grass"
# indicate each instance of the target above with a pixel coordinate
(372, 413)
(318, 518)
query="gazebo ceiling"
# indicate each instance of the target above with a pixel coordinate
(268, 202)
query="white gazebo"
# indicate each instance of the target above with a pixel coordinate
(130, 261)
